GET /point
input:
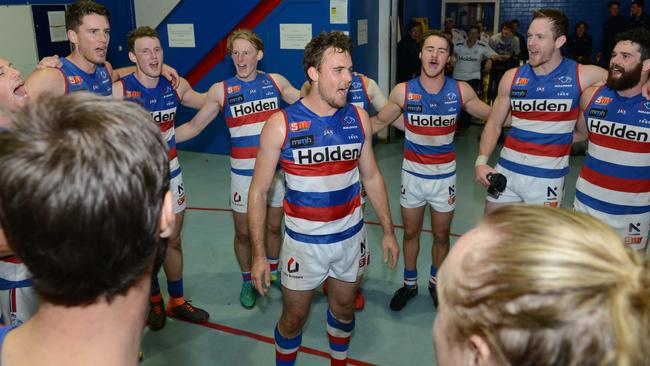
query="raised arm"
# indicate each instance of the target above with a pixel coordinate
(493, 126)
(207, 113)
(471, 102)
(377, 98)
(190, 97)
(391, 110)
(289, 93)
(373, 182)
(271, 141)
(118, 90)
(168, 73)
(591, 75)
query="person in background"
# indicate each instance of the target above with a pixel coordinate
(523, 47)
(408, 62)
(614, 25)
(579, 45)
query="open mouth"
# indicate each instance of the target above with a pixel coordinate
(19, 90)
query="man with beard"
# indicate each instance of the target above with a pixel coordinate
(431, 104)
(247, 100)
(158, 97)
(614, 183)
(543, 97)
(324, 146)
(18, 302)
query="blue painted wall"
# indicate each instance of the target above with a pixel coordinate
(365, 57)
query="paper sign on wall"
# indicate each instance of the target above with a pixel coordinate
(181, 35)
(362, 31)
(56, 20)
(339, 11)
(294, 36)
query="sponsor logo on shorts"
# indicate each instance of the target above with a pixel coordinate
(552, 195)
(180, 201)
(551, 204)
(452, 195)
(306, 140)
(365, 258)
(236, 197)
(293, 266)
(402, 190)
(299, 126)
(633, 236)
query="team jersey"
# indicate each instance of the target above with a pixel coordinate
(320, 160)
(358, 94)
(430, 124)
(615, 177)
(76, 79)
(161, 102)
(544, 113)
(247, 106)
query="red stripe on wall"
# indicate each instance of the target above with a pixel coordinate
(218, 52)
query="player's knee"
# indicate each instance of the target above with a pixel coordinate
(292, 322)
(343, 309)
(411, 232)
(274, 228)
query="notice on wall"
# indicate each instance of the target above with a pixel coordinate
(56, 19)
(338, 11)
(362, 31)
(181, 35)
(294, 36)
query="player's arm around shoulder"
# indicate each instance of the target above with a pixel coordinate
(289, 93)
(375, 187)
(43, 82)
(268, 155)
(209, 110)
(580, 133)
(118, 90)
(591, 75)
(376, 96)
(188, 96)
(471, 102)
(492, 130)
(391, 110)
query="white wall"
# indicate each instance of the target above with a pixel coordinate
(17, 40)
(152, 12)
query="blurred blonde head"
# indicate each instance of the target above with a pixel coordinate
(542, 286)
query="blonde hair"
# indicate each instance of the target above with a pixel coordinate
(245, 34)
(553, 287)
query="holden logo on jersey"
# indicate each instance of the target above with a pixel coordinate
(236, 197)
(256, 106)
(166, 115)
(541, 105)
(521, 81)
(603, 100)
(622, 131)
(413, 96)
(299, 126)
(293, 266)
(233, 89)
(427, 120)
(327, 154)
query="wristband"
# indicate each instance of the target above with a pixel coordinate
(481, 160)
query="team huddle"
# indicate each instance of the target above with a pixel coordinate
(312, 164)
